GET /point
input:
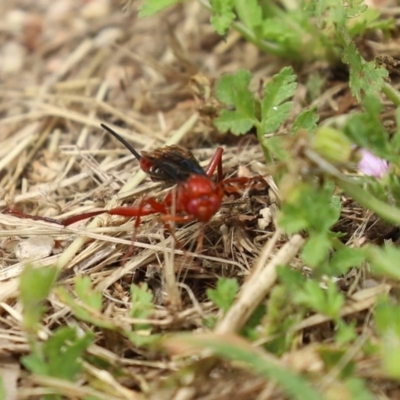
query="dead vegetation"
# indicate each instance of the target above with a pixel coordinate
(68, 66)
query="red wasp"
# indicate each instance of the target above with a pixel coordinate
(196, 195)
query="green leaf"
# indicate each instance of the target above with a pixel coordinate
(34, 286)
(61, 355)
(332, 357)
(366, 130)
(345, 333)
(384, 261)
(310, 207)
(151, 7)
(222, 15)
(233, 121)
(83, 311)
(64, 351)
(370, 20)
(274, 108)
(365, 77)
(316, 249)
(312, 295)
(346, 258)
(90, 297)
(355, 7)
(36, 363)
(142, 302)
(291, 278)
(306, 121)
(334, 301)
(326, 301)
(224, 294)
(233, 91)
(249, 12)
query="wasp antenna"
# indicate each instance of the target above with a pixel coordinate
(123, 141)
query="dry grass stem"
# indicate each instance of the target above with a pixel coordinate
(258, 285)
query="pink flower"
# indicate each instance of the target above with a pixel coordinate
(372, 165)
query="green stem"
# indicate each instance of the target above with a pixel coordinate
(385, 211)
(391, 93)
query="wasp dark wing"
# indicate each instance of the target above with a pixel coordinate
(172, 164)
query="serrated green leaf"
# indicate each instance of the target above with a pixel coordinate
(85, 292)
(365, 77)
(346, 258)
(222, 15)
(84, 312)
(35, 363)
(326, 301)
(142, 302)
(151, 7)
(230, 88)
(274, 109)
(60, 356)
(368, 20)
(334, 301)
(306, 120)
(310, 207)
(233, 91)
(224, 294)
(235, 122)
(355, 7)
(64, 350)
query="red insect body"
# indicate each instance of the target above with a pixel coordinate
(195, 197)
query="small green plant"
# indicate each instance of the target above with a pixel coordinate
(62, 354)
(88, 306)
(224, 294)
(295, 30)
